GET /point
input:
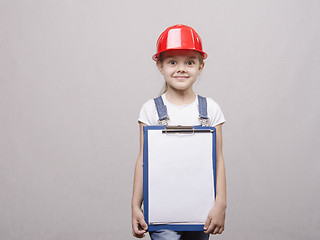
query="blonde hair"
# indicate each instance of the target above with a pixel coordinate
(161, 58)
(164, 89)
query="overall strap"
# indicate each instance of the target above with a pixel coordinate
(162, 111)
(203, 114)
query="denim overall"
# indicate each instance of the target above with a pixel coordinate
(163, 113)
(166, 234)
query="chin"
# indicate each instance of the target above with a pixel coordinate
(181, 88)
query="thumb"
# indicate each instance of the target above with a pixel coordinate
(143, 224)
(207, 223)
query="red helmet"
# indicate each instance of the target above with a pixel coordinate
(179, 37)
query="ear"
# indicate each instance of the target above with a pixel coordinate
(159, 65)
(201, 66)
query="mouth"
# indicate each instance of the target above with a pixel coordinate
(180, 77)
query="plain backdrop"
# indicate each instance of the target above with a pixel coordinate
(74, 75)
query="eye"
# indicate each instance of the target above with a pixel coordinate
(172, 62)
(190, 62)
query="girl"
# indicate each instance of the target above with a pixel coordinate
(180, 60)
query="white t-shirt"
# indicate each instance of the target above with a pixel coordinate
(185, 115)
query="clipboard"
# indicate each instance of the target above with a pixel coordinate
(179, 176)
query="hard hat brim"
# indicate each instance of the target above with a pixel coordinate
(155, 57)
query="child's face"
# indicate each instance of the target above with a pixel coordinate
(180, 68)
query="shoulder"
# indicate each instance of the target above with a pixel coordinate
(214, 112)
(213, 106)
(148, 113)
(212, 103)
(148, 104)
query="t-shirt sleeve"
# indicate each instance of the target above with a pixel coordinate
(147, 113)
(215, 113)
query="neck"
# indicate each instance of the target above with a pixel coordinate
(180, 97)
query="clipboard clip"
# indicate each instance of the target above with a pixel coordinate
(184, 129)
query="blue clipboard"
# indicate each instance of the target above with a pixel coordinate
(176, 226)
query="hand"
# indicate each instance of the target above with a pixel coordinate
(215, 220)
(139, 226)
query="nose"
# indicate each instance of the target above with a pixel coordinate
(181, 68)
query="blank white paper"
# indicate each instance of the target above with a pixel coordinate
(181, 187)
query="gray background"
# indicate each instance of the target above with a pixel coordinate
(74, 74)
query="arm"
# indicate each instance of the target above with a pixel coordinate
(216, 217)
(139, 226)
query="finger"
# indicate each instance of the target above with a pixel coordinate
(143, 224)
(211, 227)
(216, 230)
(207, 223)
(138, 235)
(138, 232)
(221, 230)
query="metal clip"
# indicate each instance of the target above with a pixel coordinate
(185, 130)
(179, 129)
(164, 121)
(204, 122)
